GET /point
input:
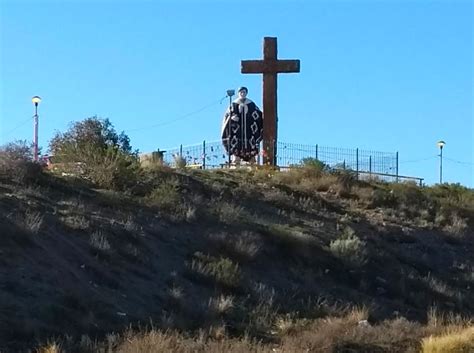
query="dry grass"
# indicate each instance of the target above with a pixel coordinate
(33, 221)
(456, 226)
(222, 304)
(50, 348)
(228, 212)
(212, 342)
(458, 341)
(242, 246)
(76, 222)
(221, 270)
(99, 241)
(347, 332)
(166, 196)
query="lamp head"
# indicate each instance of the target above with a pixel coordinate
(36, 100)
(440, 144)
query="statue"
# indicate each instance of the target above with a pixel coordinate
(242, 128)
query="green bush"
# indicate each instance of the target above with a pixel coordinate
(93, 149)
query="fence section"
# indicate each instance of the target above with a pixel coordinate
(338, 158)
(207, 155)
(365, 163)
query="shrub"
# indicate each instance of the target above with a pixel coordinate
(349, 248)
(221, 270)
(179, 162)
(166, 196)
(16, 163)
(228, 212)
(408, 195)
(314, 164)
(454, 195)
(93, 148)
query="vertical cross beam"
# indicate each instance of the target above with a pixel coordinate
(270, 104)
(270, 66)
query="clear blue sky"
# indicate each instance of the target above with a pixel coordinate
(379, 75)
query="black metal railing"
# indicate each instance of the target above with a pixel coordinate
(365, 163)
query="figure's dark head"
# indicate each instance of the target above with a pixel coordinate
(242, 92)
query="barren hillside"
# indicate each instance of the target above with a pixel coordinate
(239, 249)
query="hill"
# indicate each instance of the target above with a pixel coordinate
(253, 259)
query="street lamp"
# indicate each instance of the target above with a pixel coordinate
(36, 100)
(440, 144)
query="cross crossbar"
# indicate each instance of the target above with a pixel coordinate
(270, 66)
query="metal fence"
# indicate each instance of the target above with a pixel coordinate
(364, 163)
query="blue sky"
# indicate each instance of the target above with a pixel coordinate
(378, 75)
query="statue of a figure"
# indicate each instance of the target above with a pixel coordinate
(242, 128)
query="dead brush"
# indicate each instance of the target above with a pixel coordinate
(51, 348)
(456, 226)
(454, 341)
(99, 241)
(228, 212)
(289, 324)
(213, 340)
(243, 246)
(33, 221)
(76, 221)
(321, 183)
(221, 270)
(222, 304)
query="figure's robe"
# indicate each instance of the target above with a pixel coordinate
(242, 129)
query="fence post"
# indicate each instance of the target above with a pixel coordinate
(396, 168)
(181, 151)
(317, 152)
(344, 164)
(357, 163)
(204, 154)
(370, 166)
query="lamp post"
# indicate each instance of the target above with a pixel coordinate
(36, 100)
(441, 144)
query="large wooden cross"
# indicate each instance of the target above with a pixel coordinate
(270, 66)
